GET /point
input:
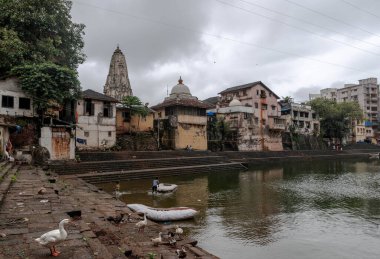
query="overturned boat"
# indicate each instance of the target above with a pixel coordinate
(164, 214)
(166, 187)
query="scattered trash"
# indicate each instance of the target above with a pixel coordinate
(26, 219)
(3, 235)
(21, 193)
(21, 204)
(42, 190)
(44, 201)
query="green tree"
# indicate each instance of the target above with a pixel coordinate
(38, 31)
(42, 47)
(336, 118)
(47, 82)
(287, 99)
(135, 107)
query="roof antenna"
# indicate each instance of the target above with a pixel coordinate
(167, 90)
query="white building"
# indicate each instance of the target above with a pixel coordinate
(366, 94)
(14, 102)
(300, 118)
(96, 121)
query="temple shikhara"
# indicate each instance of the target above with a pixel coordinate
(117, 84)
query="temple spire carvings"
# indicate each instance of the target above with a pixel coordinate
(117, 84)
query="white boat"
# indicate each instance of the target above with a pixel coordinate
(166, 187)
(164, 214)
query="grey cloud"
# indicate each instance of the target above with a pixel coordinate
(180, 44)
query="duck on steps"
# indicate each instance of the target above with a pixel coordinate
(142, 224)
(52, 238)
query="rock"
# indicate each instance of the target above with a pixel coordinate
(42, 191)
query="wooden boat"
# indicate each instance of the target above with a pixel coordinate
(164, 214)
(166, 187)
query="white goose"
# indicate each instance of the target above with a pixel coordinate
(52, 238)
(141, 224)
(156, 241)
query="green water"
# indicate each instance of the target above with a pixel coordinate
(303, 209)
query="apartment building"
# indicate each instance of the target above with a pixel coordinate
(264, 125)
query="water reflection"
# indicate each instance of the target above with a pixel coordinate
(303, 209)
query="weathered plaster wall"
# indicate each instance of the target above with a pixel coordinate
(59, 142)
(191, 134)
(137, 124)
(9, 87)
(97, 131)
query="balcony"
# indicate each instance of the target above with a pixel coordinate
(277, 123)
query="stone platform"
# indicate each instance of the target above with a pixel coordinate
(25, 215)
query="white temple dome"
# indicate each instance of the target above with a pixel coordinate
(180, 89)
(234, 102)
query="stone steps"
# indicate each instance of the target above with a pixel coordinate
(9, 175)
(126, 155)
(160, 172)
(135, 164)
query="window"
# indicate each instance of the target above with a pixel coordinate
(24, 103)
(126, 116)
(107, 109)
(109, 133)
(86, 134)
(313, 115)
(273, 108)
(264, 106)
(89, 108)
(295, 113)
(7, 101)
(256, 120)
(257, 92)
(306, 115)
(256, 105)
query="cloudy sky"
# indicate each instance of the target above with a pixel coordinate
(295, 47)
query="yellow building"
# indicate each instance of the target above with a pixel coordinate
(181, 120)
(128, 122)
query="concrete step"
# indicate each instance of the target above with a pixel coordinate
(124, 155)
(8, 179)
(160, 172)
(136, 164)
(4, 169)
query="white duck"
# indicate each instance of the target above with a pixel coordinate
(178, 231)
(141, 224)
(156, 241)
(52, 238)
